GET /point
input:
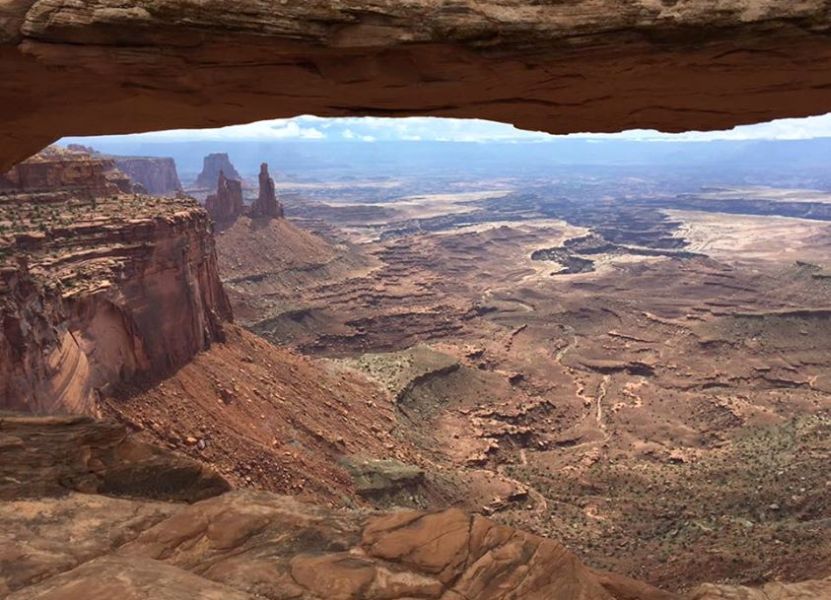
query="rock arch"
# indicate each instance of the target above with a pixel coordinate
(106, 66)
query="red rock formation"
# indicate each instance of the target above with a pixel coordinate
(212, 166)
(75, 168)
(156, 174)
(266, 204)
(98, 290)
(226, 205)
(101, 66)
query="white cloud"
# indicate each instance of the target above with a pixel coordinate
(370, 129)
(781, 129)
(292, 130)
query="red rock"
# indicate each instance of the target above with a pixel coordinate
(226, 205)
(213, 166)
(266, 204)
(101, 66)
(75, 168)
(157, 175)
(135, 292)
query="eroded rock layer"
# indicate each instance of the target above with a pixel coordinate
(266, 204)
(98, 290)
(107, 67)
(74, 168)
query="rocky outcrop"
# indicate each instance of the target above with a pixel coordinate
(96, 291)
(75, 168)
(383, 478)
(226, 204)
(242, 544)
(103, 66)
(213, 167)
(266, 204)
(156, 175)
(54, 456)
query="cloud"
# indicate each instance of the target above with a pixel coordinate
(292, 130)
(371, 129)
(781, 129)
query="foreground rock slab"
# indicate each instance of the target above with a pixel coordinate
(240, 545)
(256, 544)
(58, 543)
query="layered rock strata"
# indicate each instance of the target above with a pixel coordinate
(99, 290)
(74, 168)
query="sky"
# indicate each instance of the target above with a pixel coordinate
(372, 129)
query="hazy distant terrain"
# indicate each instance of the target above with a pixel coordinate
(805, 162)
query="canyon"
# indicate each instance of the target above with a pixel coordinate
(432, 350)
(561, 382)
(663, 412)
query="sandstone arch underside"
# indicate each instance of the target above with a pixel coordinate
(111, 66)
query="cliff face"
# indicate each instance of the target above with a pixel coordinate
(157, 176)
(213, 166)
(73, 168)
(97, 291)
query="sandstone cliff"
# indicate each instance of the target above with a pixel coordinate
(156, 175)
(74, 168)
(214, 166)
(99, 290)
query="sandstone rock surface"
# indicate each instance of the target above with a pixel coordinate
(96, 291)
(75, 168)
(804, 590)
(53, 456)
(245, 544)
(105, 66)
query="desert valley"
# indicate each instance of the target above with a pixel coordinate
(635, 369)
